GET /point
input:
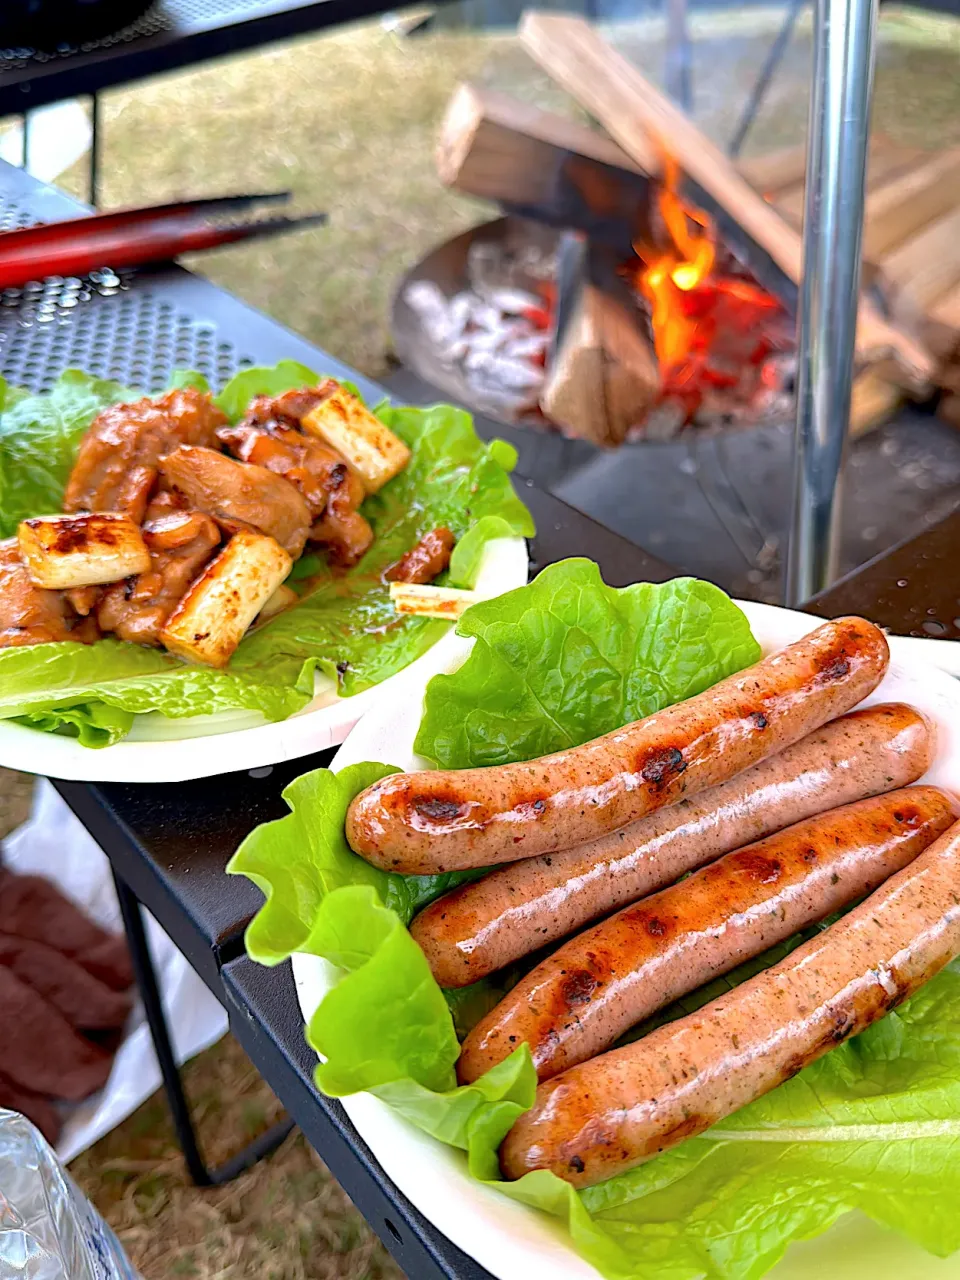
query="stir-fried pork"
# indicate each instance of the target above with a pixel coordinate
(305, 462)
(269, 437)
(180, 544)
(423, 562)
(239, 494)
(291, 408)
(116, 467)
(30, 614)
(342, 529)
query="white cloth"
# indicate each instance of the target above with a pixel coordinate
(53, 843)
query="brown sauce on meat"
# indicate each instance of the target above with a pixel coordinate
(424, 561)
(180, 544)
(30, 614)
(239, 493)
(117, 462)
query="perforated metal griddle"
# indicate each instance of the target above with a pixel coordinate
(171, 319)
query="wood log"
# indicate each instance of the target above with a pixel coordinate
(941, 327)
(901, 207)
(923, 270)
(541, 165)
(497, 147)
(874, 401)
(633, 111)
(886, 161)
(603, 374)
(775, 171)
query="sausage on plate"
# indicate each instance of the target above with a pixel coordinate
(584, 997)
(439, 821)
(484, 925)
(615, 1111)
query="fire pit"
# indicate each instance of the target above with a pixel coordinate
(615, 306)
(609, 306)
(554, 330)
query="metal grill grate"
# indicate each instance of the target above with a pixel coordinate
(98, 324)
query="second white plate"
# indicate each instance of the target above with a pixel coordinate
(512, 1241)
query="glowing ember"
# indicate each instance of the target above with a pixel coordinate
(713, 331)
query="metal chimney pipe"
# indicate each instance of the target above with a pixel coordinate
(843, 56)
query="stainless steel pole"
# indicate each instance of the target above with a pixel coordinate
(843, 53)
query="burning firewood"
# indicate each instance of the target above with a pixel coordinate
(603, 376)
(634, 112)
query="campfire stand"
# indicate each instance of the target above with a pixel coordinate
(843, 57)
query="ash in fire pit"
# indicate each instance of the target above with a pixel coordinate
(479, 314)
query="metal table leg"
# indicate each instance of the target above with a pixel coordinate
(767, 72)
(95, 150)
(202, 1175)
(679, 76)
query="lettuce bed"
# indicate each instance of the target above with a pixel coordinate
(874, 1126)
(344, 625)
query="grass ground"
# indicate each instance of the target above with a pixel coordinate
(348, 122)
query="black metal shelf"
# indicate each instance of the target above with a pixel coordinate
(174, 34)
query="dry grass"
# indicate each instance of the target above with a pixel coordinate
(15, 792)
(348, 122)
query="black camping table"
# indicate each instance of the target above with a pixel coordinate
(168, 844)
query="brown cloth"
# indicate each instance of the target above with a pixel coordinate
(42, 1051)
(87, 1003)
(39, 1110)
(31, 907)
(64, 998)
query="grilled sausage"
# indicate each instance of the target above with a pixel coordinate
(442, 821)
(614, 1112)
(582, 999)
(484, 925)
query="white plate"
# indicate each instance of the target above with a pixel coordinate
(162, 750)
(514, 1242)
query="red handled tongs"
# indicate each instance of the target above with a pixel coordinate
(134, 237)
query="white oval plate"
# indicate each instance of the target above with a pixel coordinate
(514, 1242)
(159, 749)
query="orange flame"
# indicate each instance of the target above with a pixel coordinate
(671, 272)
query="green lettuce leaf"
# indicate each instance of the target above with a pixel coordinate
(95, 690)
(187, 378)
(568, 658)
(298, 860)
(345, 625)
(9, 396)
(39, 435)
(95, 724)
